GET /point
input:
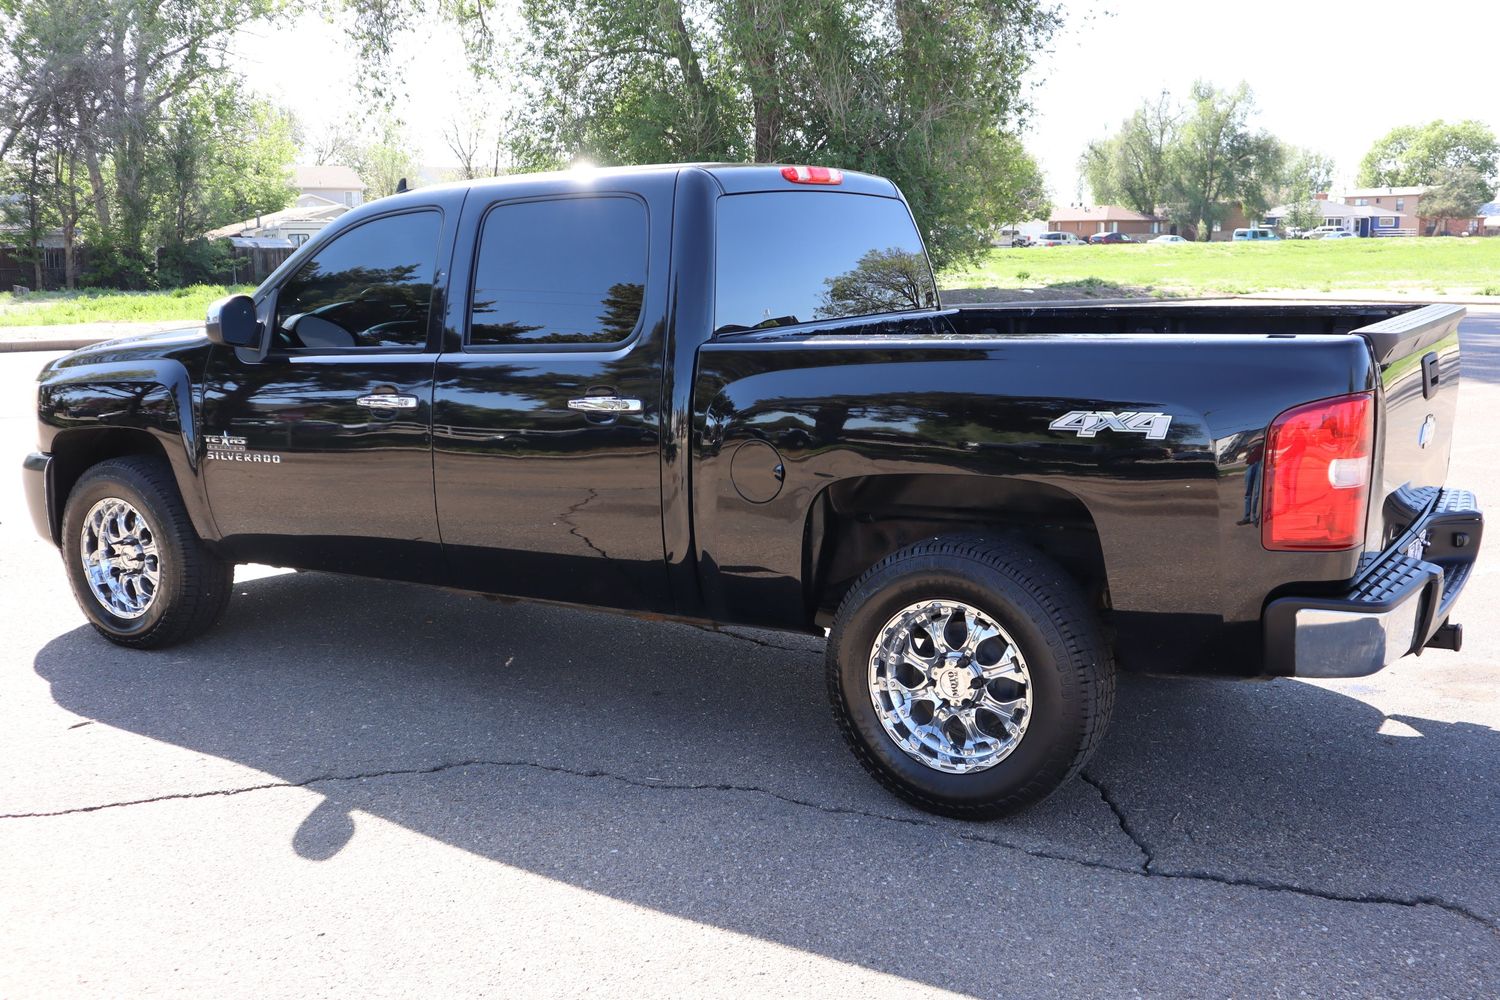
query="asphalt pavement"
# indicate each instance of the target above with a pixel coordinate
(364, 788)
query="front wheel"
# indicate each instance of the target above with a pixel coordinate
(969, 676)
(139, 572)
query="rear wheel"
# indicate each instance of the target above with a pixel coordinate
(138, 570)
(969, 676)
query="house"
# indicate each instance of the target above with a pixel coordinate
(295, 225)
(1361, 220)
(260, 244)
(1489, 216)
(1407, 201)
(329, 182)
(1084, 221)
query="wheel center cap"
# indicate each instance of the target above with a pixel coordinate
(952, 683)
(130, 553)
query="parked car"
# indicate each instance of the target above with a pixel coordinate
(1166, 238)
(1058, 240)
(1322, 231)
(1338, 234)
(1011, 238)
(617, 389)
(1110, 238)
(1254, 236)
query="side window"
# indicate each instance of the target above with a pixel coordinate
(569, 271)
(371, 287)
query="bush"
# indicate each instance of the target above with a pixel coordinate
(196, 262)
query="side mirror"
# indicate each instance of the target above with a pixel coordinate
(231, 322)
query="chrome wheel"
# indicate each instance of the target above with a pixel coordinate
(120, 558)
(950, 686)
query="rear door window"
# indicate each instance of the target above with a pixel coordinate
(569, 271)
(798, 256)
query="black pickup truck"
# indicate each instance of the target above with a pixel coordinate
(730, 394)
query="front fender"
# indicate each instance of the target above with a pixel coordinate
(89, 412)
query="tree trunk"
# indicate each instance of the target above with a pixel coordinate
(97, 188)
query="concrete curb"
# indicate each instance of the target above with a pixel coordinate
(52, 344)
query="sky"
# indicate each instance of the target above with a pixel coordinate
(1334, 75)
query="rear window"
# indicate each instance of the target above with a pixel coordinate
(798, 256)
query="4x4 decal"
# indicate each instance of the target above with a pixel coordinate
(1088, 423)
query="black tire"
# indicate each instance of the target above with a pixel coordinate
(1072, 677)
(194, 585)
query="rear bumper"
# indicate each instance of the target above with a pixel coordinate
(36, 480)
(1396, 605)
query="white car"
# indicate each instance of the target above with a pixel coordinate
(1322, 232)
(1338, 234)
(1166, 238)
(1058, 240)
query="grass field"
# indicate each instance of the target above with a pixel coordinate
(102, 306)
(1414, 266)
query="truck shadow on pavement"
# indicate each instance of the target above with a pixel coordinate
(700, 774)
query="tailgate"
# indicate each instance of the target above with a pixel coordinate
(1418, 355)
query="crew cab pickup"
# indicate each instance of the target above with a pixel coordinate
(731, 394)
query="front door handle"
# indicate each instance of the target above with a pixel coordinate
(610, 405)
(388, 401)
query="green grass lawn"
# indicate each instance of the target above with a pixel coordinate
(1445, 266)
(103, 306)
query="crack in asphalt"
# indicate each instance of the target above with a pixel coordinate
(1148, 856)
(711, 630)
(566, 517)
(1145, 870)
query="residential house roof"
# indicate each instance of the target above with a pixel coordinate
(297, 213)
(1338, 210)
(1379, 192)
(1099, 213)
(261, 243)
(328, 175)
(315, 201)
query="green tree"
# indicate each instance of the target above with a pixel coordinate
(1218, 161)
(1411, 155)
(926, 93)
(222, 156)
(1015, 189)
(26, 212)
(1457, 194)
(1303, 215)
(384, 161)
(1304, 174)
(104, 74)
(1132, 167)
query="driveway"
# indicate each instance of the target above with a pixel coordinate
(355, 787)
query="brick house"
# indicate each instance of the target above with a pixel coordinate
(1084, 221)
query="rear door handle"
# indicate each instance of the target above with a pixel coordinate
(605, 404)
(388, 401)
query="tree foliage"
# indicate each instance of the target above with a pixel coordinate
(122, 94)
(1411, 155)
(1132, 168)
(926, 92)
(1219, 161)
(1193, 161)
(1457, 194)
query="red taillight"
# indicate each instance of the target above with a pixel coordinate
(813, 175)
(1317, 469)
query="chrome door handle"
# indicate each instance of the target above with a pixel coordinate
(388, 401)
(605, 404)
